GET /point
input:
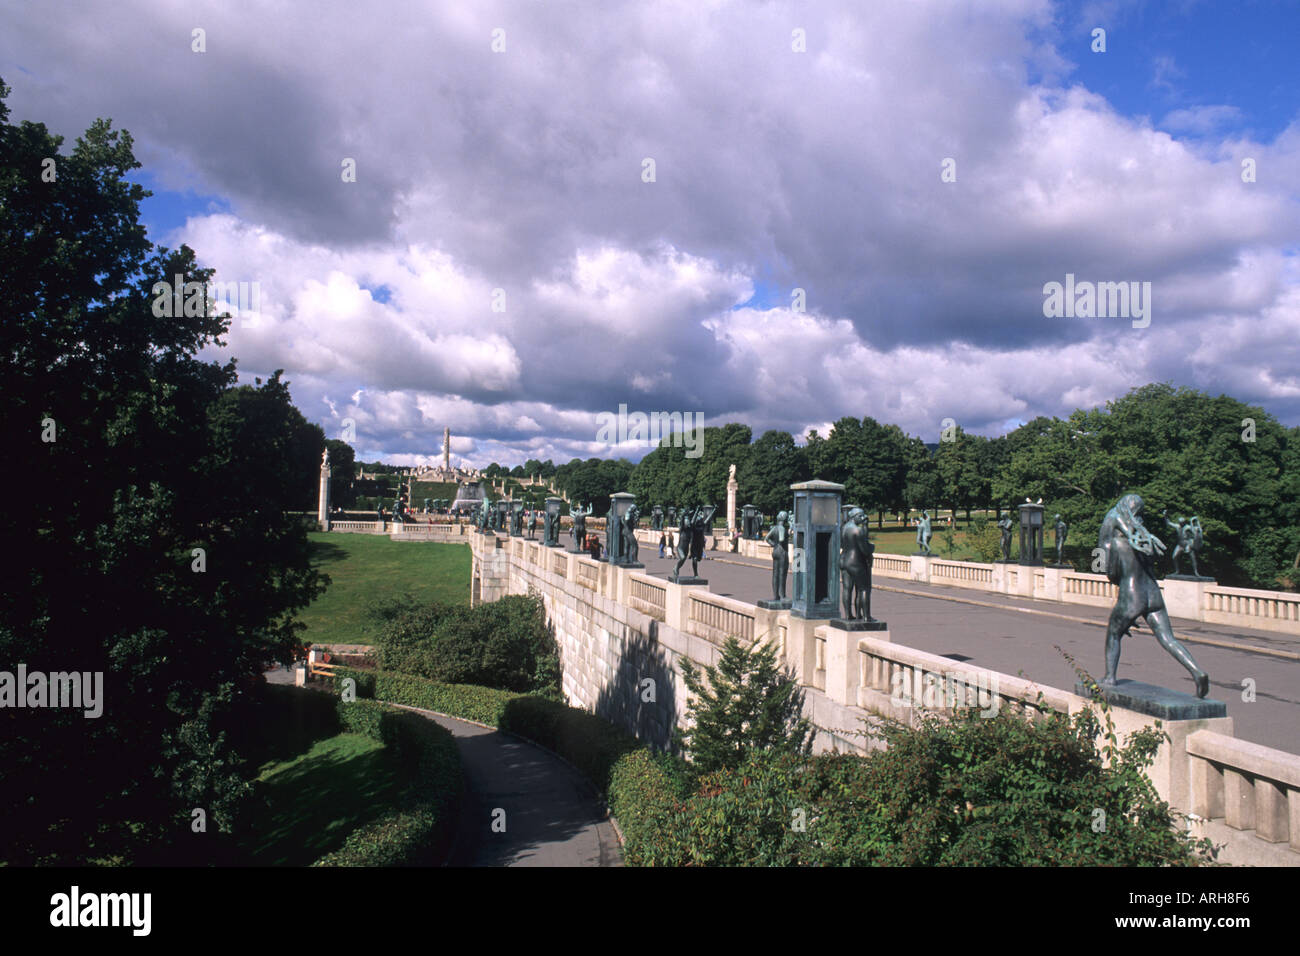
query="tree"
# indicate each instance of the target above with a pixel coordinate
(166, 561)
(747, 703)
(773, 464)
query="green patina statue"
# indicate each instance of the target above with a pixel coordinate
(923, 533)
(1191, 538)
(1128, 553)
(856, 556)
(779, 538)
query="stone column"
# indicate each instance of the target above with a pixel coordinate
(731, 502)
(323, 502)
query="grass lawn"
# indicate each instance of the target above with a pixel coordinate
(310, 803)
(364, 568)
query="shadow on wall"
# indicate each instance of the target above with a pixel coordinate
(641, 698)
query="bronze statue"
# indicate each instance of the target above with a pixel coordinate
(579, 529)
(1191, 539)
(1062, 529)
(1007, 527)
(778, 538)
(1128, 551)
(690, 542)
(631, 547)
(923, 533)
(856, 556)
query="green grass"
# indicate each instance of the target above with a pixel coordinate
(310, 803)
(365, 568)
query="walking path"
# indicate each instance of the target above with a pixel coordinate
(525, 806)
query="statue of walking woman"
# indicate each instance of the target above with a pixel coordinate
(1128, 550)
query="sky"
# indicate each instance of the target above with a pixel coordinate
(852, 208)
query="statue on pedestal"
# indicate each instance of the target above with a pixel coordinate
(923, 533)
(1191, 539)
(1128, 552)
(690, 543)
(1062, 529)
(631, 547)
(579, 529)
(397, 511)
(856, 557)
(779, 538)
(1007, 527)
(532, 523)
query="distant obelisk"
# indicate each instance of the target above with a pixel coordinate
(446, 449)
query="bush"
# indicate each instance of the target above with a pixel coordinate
(505, 644)
(646, 795)
(984, 539)
(419, 831)
(482, 704)
(747, 704)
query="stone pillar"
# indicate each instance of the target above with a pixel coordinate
(732, 485)
(446, 449)
(1184, 597)
(323, 501)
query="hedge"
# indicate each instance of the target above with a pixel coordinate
(418, 832)
(482, 704)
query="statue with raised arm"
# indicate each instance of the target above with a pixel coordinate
(779, 539)
(1007, 527)
(579, 529)
(1190, 540)
(1128, 552)
(691, 543)
(1062, 529)
(397, 511)
(923, 533)
(856, 556)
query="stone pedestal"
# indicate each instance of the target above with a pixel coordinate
(732, 485)
(1185, 595)
(687, 579)
(783, 605)
(921, 568)
(1155, 701)
(843, 662)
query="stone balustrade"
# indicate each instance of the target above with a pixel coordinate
(1247, 786)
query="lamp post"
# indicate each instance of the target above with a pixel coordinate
(1031, 535)
(620, 546)
(815, 556)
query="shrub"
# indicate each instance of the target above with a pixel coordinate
(505, 644)
(984, 539)
(646, 794)
(482, 704)
(419, 831)
(747, 704)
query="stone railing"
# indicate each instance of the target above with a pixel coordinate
(1248, 786)
(589, 575)
(961, 574)
(901, 681)
(1095, 589)
(358, 527)
(716, 618)
(891, 566)
(648, 596)
(1268, 610)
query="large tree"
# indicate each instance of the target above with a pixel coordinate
(157, 549)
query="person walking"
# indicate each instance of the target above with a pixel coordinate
(662, 541)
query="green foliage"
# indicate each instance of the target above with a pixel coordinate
(418, 832)
(984, 538)
(482, 704)
(743, 703)
(647, 794)
(506, 644)
(161, 454)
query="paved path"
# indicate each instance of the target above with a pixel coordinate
(552, 817)
(1018, 636)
